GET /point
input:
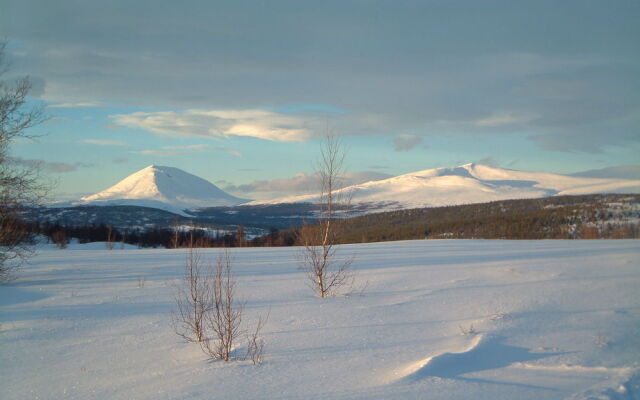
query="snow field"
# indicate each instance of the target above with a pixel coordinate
(552, 320)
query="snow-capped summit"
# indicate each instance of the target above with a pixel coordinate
(167, 188)
(469, 183)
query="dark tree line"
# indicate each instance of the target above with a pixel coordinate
(568, 217)
(147, 237)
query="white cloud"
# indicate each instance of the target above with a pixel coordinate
(300, 183)
(49, 166)
(260, 124)
(81, 104)
(187, 147)
(504, 119)
(101, 142)
(492, 121)
(174, 151)
(198, 147)
(158, 153)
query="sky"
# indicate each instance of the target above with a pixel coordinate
(241, 93)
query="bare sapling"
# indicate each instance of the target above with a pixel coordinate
(60, 239)
(222, 322)
(111, 236)
(175, 238)
(326, 272)
(193, 298)
(255, 342)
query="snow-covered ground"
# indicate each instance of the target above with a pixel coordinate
(553, 320)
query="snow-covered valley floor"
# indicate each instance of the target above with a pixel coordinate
(553, 320)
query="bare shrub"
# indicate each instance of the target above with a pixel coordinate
(255, 343)
(208, 311)
(467, 331)
(358, 290)
(601, 341)
(111, 237)
(193, 298)
(325, 271)
(224, 319)
(60, 239)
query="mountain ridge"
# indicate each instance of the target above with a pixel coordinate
(162, 187)
(467, 184)
(174, 190)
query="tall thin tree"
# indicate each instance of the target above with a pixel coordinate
(326, 272)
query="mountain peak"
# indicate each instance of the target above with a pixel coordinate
(163, 187)
(468, 183)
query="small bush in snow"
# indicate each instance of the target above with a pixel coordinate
(601, 341)
(255, 346)
(222, 320)
(467, 331)
(193, 298)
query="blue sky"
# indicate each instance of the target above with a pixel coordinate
(241, 92)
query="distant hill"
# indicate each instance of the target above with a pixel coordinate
(564, 217)
(559, 217)
(165, 188)
(467, 184)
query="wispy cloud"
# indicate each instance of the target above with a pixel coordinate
(50, 166)
(256, 123)
(300, 183)
(490, 161)
(120, 160)
(82, 104)
(504, 119)
(101, 142)
(497, 119)
(200, 147)
(406, 142)
(158, 153)
(618, 172)
(174, 151)
(187, 147)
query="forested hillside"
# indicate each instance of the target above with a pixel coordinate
(566, 217)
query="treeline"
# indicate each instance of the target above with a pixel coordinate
(149, 237)
(565, 217)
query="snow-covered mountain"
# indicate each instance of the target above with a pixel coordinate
(466, 184)
(166, 188)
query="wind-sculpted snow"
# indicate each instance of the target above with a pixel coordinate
(543, 320)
